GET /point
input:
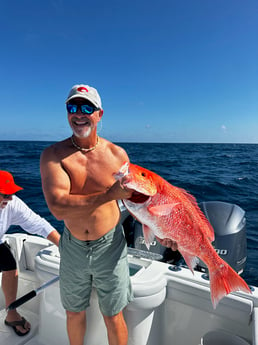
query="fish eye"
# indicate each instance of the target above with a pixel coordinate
(143, 174)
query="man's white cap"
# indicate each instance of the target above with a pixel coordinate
(87, 92)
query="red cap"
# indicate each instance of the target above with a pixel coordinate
(7, 185)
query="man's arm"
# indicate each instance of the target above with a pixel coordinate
(32, 222)
(54, 237)
(56, 187)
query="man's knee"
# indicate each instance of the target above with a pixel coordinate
(74, 315)
(114, 320)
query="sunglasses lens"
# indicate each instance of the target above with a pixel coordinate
(71, 108)
(87, 109)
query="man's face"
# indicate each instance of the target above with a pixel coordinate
(4, 199)
(82, 122)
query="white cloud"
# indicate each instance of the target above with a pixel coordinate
(224, 128)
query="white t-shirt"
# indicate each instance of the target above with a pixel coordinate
(16, 212)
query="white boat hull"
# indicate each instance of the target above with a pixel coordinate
(170, 307)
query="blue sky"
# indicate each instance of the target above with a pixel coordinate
(167, 70)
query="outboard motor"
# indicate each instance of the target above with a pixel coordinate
(229, 224)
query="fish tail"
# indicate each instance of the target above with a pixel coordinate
(223, 280)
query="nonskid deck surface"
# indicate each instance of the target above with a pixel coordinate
(7, 334)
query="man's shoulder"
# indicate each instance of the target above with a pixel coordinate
(57, 148)
(112, 146)
(16, 203)
(116, 150)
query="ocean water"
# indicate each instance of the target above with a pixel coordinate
(211, 172)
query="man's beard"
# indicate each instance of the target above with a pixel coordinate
(85, 134)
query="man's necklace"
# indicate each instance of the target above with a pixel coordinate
(82, 148)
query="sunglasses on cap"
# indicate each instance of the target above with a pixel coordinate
(85, 108)
(5, 196)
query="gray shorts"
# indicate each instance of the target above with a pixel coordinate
(102, 263)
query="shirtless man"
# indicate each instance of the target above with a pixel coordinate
(79, 188)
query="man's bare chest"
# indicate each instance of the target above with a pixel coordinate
(89, 175)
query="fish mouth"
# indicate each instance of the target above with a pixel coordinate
(138, 198)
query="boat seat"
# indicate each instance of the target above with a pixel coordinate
(222, 338)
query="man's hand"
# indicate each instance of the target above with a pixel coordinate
(119, 191)
(167, 242)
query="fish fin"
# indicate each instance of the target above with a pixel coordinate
(190, 260)
(148, 235)
(224, 280)
(161, 210)
(123, 171)
(208, 229)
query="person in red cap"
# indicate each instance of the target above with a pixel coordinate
(13, 211)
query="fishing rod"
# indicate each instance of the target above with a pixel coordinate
(28, 296)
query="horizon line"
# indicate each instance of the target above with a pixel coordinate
(141, 142)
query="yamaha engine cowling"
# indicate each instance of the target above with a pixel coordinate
(229, 224)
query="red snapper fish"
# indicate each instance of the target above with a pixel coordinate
(170, 212)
